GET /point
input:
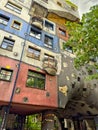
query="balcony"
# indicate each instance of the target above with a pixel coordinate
(37, 21)
(50, 66)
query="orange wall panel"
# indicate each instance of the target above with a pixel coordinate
(56, 19)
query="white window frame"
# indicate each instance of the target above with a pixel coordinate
(62, 32)
(35, 33)
(14, 7)
(16, 25)
(7, 44)
(4, 19)
(33, 53)
(47, 42)
(49, 25)
(5, 74)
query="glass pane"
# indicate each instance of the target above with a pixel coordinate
(30, 82)
(17, 10)
(13, 7)
(35, 80)
(49, 25)
(16, 25)
(3, 21)
(4, 45)
(30, 73)
(37, 53)
(8, 41)
(41, 83)
(30, 50)
(48, 40)
(5, 74)
(7, 77)
(9, 48)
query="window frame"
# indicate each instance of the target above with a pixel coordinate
(36, 79)
(50, 60)
(18, 25)
(62, 32)
(68, 49)
(35, 33)
(50, 57)
(7, 70)
(33, 53)
(13, 7)
(49, 25)
(4, 19)
(7, 42)
(47, 43)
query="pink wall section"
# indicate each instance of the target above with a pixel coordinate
(35, 96)
(5, 86)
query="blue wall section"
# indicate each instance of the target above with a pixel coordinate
(23, 31)
(8, 28)
(40, 42)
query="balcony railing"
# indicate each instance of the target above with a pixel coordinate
(50, 66)
(37, 21)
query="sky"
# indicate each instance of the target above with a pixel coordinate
(84, 5)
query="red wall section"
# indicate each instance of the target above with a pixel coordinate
(65, 38)
(5, 86)
(36, 96)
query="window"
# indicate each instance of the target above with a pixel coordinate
(35, 80)
(35, 33)
(14, 7)
(5, 74)
(69, 49)
(4, 19)
(33, 53)
(51, 58)
(16, 25)
(48, 25)
(62, 32)
(50, 61)
(48, 42)
(7, 44)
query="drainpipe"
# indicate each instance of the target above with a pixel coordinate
(7, 109)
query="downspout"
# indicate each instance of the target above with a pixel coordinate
(7, 109)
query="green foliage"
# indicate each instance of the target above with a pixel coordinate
(84, 38)
(33, 122)
(0, 120)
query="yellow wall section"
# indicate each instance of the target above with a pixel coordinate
(56, 19)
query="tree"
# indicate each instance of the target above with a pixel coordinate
(83, 37)
(33, 122)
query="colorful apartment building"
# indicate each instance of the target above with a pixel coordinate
(36, 74)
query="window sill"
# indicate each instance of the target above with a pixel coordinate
(6, 49)
(5, 80)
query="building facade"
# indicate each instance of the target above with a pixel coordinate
(36, 73)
